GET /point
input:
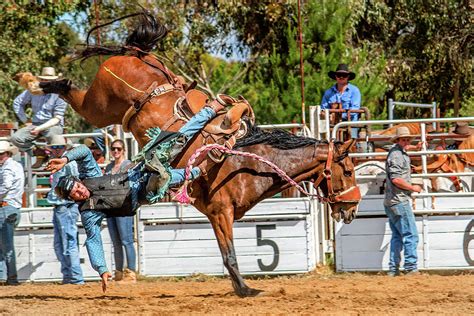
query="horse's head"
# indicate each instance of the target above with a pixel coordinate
(28, 81)
(340, 187)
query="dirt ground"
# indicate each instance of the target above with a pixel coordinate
(314, 293)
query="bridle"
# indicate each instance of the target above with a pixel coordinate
(351, 195)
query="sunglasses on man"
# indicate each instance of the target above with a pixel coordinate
(116, 148)
(342, 75)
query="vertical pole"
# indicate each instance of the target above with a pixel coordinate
(328, 128)
(424, 164)
(303, 110)
(97, 22)
(312, 121)
(434, 112)
(318, 123)
(390, 111)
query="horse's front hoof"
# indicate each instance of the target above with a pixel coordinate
(248, 292)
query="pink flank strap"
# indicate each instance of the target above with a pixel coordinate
(183, 197)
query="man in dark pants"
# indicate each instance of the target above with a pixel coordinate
(398, 189)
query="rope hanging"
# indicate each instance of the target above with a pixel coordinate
(183, 197)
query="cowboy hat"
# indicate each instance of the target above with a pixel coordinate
(402, 131)
(6, 146)
(58, 140)
(90, 142)
(342, 69)
(48, 73)
(462, 128)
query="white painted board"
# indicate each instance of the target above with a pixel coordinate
(445, 242)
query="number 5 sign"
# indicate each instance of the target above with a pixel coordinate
(267, 242)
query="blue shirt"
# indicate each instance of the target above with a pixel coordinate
(44, 107)
(12, 182)
(350, 99)
(92, 219)
(69, 169)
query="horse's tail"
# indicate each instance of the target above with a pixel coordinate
(140, 41)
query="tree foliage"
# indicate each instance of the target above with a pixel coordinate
(428, 45)
(417, 51)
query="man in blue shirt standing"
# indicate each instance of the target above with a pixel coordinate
(47, 118)
(344, 94)
(65, 215)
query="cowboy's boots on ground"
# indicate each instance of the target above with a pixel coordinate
(118, 275)
(129, 276)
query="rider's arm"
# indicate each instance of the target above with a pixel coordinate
(92, 220)
(19, 105)
(86, 164)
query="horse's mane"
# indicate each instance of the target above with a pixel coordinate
(277, 138)
(141, 40)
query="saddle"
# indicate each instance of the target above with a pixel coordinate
(225, 128)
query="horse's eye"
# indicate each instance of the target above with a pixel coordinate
(347, 173)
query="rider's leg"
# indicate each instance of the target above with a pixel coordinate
(178, 175)
(197, 122)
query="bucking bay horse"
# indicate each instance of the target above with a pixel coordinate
(134, 80)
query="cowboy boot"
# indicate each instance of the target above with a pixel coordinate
(129, 276)
(118, 275)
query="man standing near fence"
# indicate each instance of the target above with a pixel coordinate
(65, 215)
(12, 183)
(397, 204)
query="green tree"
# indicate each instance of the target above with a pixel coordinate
(428, 45)
(31, 37)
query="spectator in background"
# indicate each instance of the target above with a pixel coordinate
(398, 188)
(461, 128)
(12, 183)
(343, 95)
(97, 152)
(47, 119)
(121, 228)
(65, 215)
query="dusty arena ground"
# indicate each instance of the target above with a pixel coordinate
(314, 293)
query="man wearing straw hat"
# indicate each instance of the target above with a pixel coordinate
(12, 182)
(65, 215)
(47, 118)
(398, 188)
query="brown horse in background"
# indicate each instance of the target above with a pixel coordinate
(230, 188)
(447, 163)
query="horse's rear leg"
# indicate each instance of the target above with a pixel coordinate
(222, 224)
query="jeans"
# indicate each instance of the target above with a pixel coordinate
(121, 233)
(23, 139)
(92, 221)
(9, 218)
(404, 236)
(66, 243)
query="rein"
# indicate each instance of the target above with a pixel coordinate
(350, 195)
